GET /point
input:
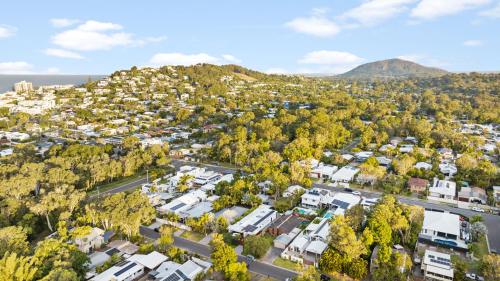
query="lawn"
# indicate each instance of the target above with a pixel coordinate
(193, 236)
(288, 264)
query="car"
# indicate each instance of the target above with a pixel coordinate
(356, 192)
(250, 258)
(347, 190)
(477, 209)
(324, 277)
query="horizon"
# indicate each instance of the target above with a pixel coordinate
(314, 37)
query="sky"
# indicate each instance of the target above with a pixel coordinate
(273, 36)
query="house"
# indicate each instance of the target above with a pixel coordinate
(90, 242)
(386, 147)
(121, 247)
(496, 194)
(308, 246)
(472, 195)
(284, 239)
(292, 190)
(442, 189)
(254, 222)
(345, 174)
(383, 161)
(437, 266)
(445, 153)
(231, 214)
(184, 202)
(285, 224)
(317, 198)
(417, 184)
(188, 271)
(443, 229)
(342, 202)
(323, 171)
(6, 152)
(423, 165)
(448, 169)
(132, 268)
(206, 177)
(406, 148)
(363, 155)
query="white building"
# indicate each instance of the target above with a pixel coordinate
(90, 242)
(448, 169)
(442, 228)
(343, 201)
(442, 190)
(345, 174)
(184, 202)
(423, 165)
(254, 222)
(190, 270)
(437, 266)
(23, 86)
(292, 190)
(323, 171)
(131, 268)
(316, 198)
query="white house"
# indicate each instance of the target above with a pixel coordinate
(442, 190)
(184, 203)
(131, 268)
(448, 169)
(343, 201)
(189, 270)
(254, 222)
(345, 174)
(437, 266)
(406, 148)
(323, 171)
(317, 198)
(90, 242)
(442, 228)
(423, 165)
(292, 189)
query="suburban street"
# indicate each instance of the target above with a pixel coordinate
(491, 221)
(262, 268)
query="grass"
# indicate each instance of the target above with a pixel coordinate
(193, 236)
(288, 264)
(117, 183)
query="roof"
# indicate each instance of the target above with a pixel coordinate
(443, 187)
(442, 222)
(418, 182)
(437, 262)
(287, 222)
(255, 221)
(151, 260)
(120, 271)
(346, 173)
(316, 247)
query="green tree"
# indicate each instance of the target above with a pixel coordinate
(222, 255)
(13, 239)
(17, 268)
(256, 246)
(237, 271)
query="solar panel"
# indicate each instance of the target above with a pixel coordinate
(249, 228)
(121, 271)
(340, 203)
(441, 262)
(178, 206)
(172, 277)
(112, 251)
(263, 218)
(182, 274)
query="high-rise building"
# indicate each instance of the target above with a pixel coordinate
(23, 86)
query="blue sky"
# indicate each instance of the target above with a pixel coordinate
(289, 36)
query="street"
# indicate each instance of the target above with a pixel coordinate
(492, 221)
(264, 269)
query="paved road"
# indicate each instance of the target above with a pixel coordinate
(204, 250)
(491, 221)
(120, 188)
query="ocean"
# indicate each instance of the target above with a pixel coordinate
(7, 81)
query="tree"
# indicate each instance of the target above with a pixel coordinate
(61, 274)
(343, 239)
(404, 164)
(459, 269)
(307, 273)
(355, 217)
(166, 237)
(13, 239)
(357, 268)
(256, 246)
(222, 255)
(490, 267)
(237, 271)
(17, 268)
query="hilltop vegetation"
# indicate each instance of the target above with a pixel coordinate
(392, 68)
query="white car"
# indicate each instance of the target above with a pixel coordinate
(356, 193)
(477, 209)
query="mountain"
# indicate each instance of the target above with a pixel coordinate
(392, 68)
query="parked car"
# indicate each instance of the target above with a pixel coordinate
(477, 209)
(473, 276)
(356, 193)
(348, 190)
(324, 277)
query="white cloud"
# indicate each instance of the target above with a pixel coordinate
(330, 58)
(375, 11)
(430, 9)
(231, 59)
(492, 13)
(473, 43)
(94, 35)
(63, 54)
(317, 24)
(16, 67)
(7, 31)
(182, 59)
(63, 22)
(276, 70)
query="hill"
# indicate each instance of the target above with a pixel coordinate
(392, 68)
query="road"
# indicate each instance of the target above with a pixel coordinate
(262, 268)
(491, 221)
(120, 188)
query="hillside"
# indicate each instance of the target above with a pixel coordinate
(392, 68)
